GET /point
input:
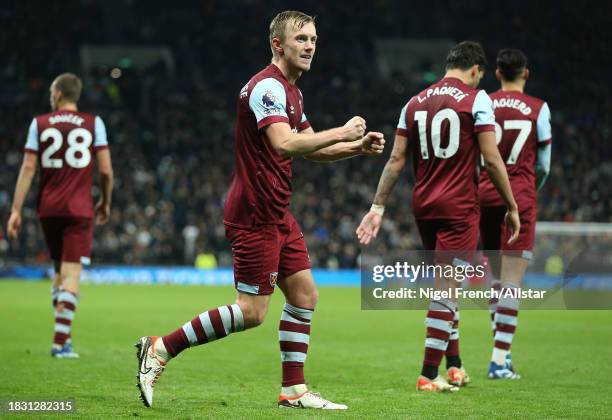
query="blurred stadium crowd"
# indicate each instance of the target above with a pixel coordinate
(171, 133)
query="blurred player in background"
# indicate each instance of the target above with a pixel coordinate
(448, 125)
(523, 135)
(65, 143)
(267, 243)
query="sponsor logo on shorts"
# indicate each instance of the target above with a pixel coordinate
(273, 278)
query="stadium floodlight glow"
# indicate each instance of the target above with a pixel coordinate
(116, 73)
(125, 63)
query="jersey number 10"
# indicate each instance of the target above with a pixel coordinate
(77, 154)
(436, 128)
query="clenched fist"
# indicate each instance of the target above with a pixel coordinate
(373, 143)
(354, 129)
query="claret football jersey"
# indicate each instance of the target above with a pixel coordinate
(522, 126)
(442, 123)
(260, 188)
(66, 143)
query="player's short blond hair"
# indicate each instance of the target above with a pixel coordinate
(70, 85)
(278, 26)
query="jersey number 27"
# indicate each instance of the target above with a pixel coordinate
(525, 129)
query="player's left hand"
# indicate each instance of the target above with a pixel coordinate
(14, 224)
(102, 213)
(513, 224)
(373, 143)
(369, 227)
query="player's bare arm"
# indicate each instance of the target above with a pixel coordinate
(290, 144)
(372, 144)
(392, 170)
(371, 222)
(105, 170)
(542, 165)
(24, 181)
(496, 169)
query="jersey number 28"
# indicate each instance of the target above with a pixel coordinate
(77, 154)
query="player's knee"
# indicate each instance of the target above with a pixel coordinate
(71, 289)
(254, 317)
(253, 312)
(259, 316)
(309, 299)
(314, 298)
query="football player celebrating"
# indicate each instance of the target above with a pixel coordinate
(267, 243)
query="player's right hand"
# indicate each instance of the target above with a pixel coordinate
(14, 224)
(354, 129)
(102, 213)
(373, 143)
(369, 227)
(513, 225)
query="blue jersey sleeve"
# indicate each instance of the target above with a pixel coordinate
(543, 124)
(402, 129)
(268, 101)
(101, 140)
(32, 141)
(482, 111)
(401, 124)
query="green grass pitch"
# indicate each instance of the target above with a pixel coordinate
(367, 359)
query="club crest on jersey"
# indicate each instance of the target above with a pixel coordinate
(268, 99)
(273, 278)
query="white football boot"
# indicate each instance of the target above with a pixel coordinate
(150, 368)
(308, 399)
